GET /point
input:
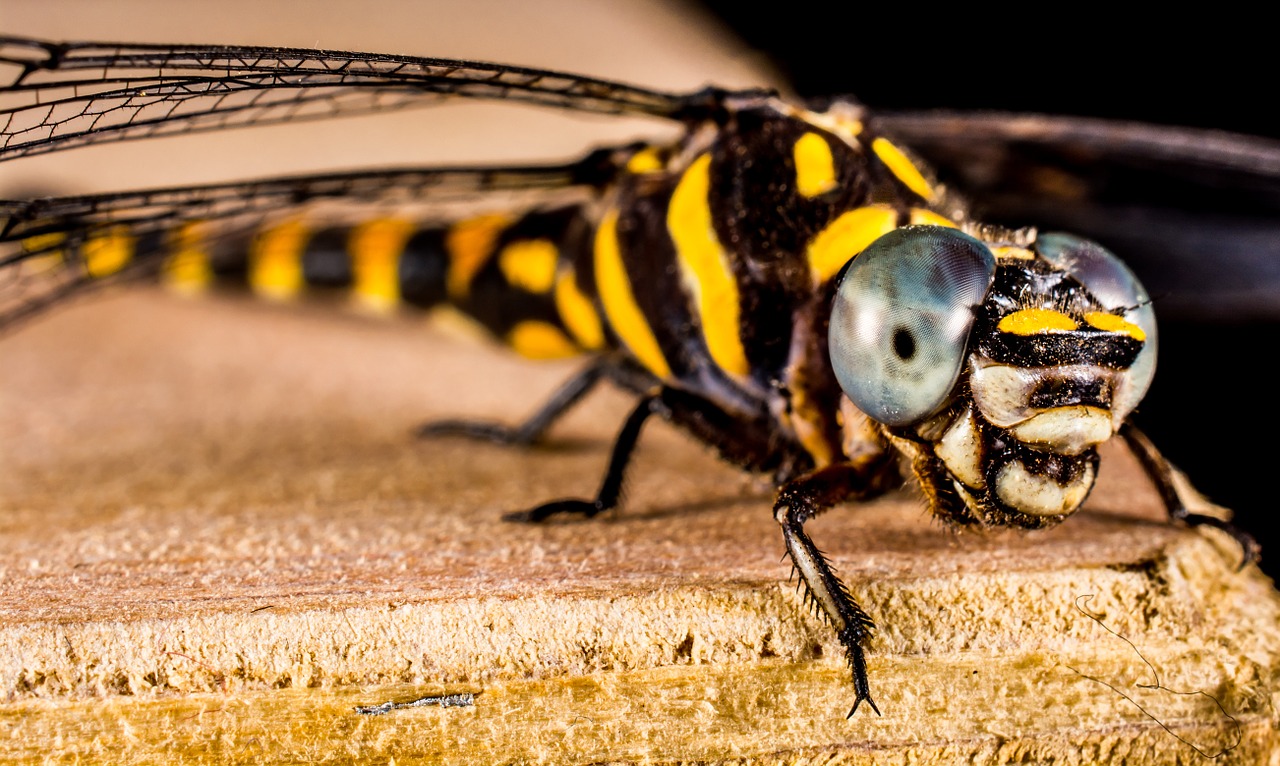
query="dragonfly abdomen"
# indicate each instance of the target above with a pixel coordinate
(519, 276)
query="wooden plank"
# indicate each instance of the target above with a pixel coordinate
(219, 537)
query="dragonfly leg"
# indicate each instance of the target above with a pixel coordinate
(1163, 474)
(532, 429)
(753, 444)
(806, 497)
(750, 442)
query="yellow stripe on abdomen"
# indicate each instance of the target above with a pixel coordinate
(470, 243)
(534, 339)
(530, 264)
(49, 256)
(275, 261)
(704, 266)
(577, 313)
(187, 269)
(108, 251)
(620, 306)
(375, 249)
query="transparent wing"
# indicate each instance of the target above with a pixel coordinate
(1195, 212)
(56, 96)
(43, 242)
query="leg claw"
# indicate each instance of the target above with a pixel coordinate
(862, 698)
(547, 510)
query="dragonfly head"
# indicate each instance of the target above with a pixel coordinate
(997, 364)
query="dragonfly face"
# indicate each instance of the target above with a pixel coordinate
(996, 366)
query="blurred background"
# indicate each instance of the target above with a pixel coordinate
(1195, 72)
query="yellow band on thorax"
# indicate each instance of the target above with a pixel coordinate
(815, 165)
(902, 167)
(704, 267)
(845, 237)
(921, 216)
(646, 160)
(625, 316)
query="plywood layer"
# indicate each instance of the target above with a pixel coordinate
(219, 537)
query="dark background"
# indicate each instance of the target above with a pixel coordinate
(1211, 408)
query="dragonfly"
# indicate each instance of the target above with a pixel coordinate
(786, 281)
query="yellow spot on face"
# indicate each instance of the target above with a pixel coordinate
(1113, 323)
(470, 243)
(704, 266)
(924, 217)
(620, 307)
(847, 236)
(645, 161)
(275, 261)
(1034, 321)
(903, 168)
(577, 313)
(187, 269)
(530, 264)
(538, 340)
(815, 167)
(375, 248)
(108, 251)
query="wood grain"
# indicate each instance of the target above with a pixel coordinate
(219, 537)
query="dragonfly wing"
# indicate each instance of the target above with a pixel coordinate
(56, 96)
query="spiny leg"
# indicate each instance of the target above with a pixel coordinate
(611, 487)
(754, 444)
(532, 429)
(1162, 474)
(801, 500)
(750, 442)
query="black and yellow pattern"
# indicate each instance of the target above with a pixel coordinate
(781, 282)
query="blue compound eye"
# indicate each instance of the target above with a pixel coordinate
(901, 320)
(1117, 289)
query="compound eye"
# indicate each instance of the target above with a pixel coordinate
(901, 320)
(1116, 288)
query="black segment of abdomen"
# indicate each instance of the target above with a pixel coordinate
(424, 266)
(326, 261)
(500, 305)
